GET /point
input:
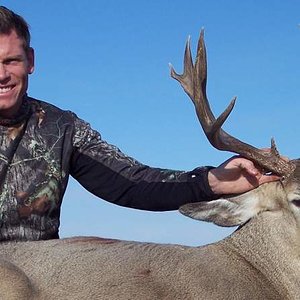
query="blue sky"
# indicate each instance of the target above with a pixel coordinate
(108, 62)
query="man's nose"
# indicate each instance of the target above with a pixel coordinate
(4, 74)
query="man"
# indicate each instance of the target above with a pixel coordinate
(41, 145)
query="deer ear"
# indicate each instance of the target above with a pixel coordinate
(225, 211)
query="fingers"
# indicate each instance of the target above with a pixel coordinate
(238, 175)
(248, 166)
(250, 169)
(252, 175)
(260, 176)
(268, 178)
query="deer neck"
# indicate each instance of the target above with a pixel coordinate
(271, 244)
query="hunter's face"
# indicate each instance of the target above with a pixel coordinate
(15, 66)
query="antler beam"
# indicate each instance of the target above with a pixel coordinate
(193, 80)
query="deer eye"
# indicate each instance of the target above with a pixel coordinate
(296, 202)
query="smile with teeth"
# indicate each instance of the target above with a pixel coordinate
(5, 89)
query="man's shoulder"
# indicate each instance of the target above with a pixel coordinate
(50, 109)
(49, 113)
(47, 106)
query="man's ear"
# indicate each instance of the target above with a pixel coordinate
(30, 58)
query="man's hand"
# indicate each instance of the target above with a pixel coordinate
(237, 175)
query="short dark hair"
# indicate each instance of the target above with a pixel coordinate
(11, 21)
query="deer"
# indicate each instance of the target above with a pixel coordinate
(260, 260)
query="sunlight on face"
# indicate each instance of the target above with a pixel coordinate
(15, 66)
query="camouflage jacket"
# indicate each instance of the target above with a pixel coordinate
(44, 145)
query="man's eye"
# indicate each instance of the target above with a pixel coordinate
(12, 61)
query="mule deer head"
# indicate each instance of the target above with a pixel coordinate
(232, 211)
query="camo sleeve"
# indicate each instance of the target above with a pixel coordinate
(111, 175)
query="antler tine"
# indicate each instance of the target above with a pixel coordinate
(187, 77)
(193, 80)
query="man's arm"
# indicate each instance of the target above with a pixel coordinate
(111, 175)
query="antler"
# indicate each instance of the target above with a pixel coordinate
(193, 80)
